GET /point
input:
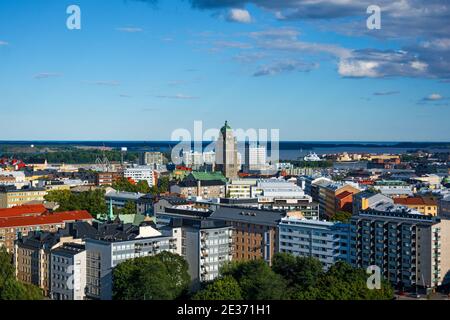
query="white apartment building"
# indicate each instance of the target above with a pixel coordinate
(68, 272)
(141, 173)
(240, 188)
(327, 241)
(107, 251)
(13, 178)
(255, 157)
(278, 190)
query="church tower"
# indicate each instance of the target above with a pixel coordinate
(226, 153)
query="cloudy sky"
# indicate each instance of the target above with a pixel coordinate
(139, 69)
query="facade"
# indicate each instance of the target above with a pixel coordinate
(240, 188)
(10, 196)
(425, 205)
(327, 241)
(411, 249)
(227, 153)
(151, 159)
(255, 234)
(19, 221)
(255, 157)
(206, 189)
(394, 188)
(106, 178)
(444, 207)
(120, 198)
(205, 244)
(141, 173)
(68, 272)
(116, 243)
(334, 196)
(32, 257)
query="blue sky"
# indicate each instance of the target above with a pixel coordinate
(138, 70)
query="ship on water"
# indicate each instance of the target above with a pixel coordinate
(312, 156)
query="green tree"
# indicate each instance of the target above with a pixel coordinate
(142, 187)
(300, 273)
(256, 280)
(341, 216)
(163, 184)
(10, 288)
(343, 282)
(161, 277)
(224, 288)
(91, 201)
(123, 184)
(129, 208)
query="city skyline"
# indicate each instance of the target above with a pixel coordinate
(138, 70)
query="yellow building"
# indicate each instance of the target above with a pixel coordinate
(10, 197)
(425, 205)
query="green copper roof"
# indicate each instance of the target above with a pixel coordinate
(225, 127)
(204, 176)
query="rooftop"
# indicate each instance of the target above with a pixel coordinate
(248, 215)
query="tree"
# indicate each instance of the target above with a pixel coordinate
(161, 277)
(299, 272)
(225, 288)
(341, 216)
(129, 208)
(256, 280)
(343, 282)
(163, 184)
(143, 187)
(91, 201)
(123, 184)
(10, 288)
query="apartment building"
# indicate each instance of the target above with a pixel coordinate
(425, 205)
(151, 159)
(444, 207)
(19, 221)
(411, 249)
(115, 243)
(206, 189)
(10, 196)
(329, 242)
(394, 188)
(119, 199)
(32, 253)
(334, 196)
(240, 188)
(255, 232)
(270, 191)
(68, 272)
(106, 178)
(141, 173)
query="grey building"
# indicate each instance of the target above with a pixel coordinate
(205, 244)
(412, 250)
(444, 207)
(68, 272)
(329, 242)
(115, 243)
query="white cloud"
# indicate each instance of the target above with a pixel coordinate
(239, 15)
(178, 96)
(130, 29)
(433, 97)
(45, 75)
(355, 68)
(3, 43)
